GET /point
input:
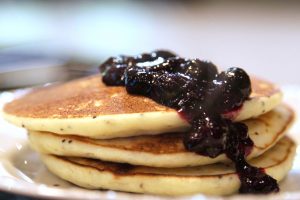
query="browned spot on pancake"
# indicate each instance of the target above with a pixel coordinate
(89, 97)
(123, 168)
(114, 168)
(156, 144)
(117, 168)
(275, 160)
(262, 88)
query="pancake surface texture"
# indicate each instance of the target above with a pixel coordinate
(88, 108)
(216, 179)
(164, 150)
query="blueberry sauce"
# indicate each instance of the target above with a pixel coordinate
(200, 95)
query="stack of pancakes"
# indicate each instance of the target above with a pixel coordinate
(97, 136)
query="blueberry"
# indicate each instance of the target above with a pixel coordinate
(197, 69)
(138, 81)
(162, 54)
(107, 64)
(169, 65)
(167, 88)
(113, 76)
(145, 57)
(232, 88)
(207, 137)
(253, 179)
(191, 103)
(153, 59)
(239, 79)
(238, 141)
(113, 70)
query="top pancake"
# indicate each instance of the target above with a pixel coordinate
(87, 104)
(91, 97)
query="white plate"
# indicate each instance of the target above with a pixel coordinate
(22, 172)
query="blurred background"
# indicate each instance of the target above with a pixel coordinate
(49, 41)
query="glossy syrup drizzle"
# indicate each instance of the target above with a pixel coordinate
(200, 95)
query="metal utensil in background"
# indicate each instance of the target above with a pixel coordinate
(22, 70)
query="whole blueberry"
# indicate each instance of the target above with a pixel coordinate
(232, 88)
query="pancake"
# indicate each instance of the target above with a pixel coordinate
(165, 150)
(89, 108)
(216, 179)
